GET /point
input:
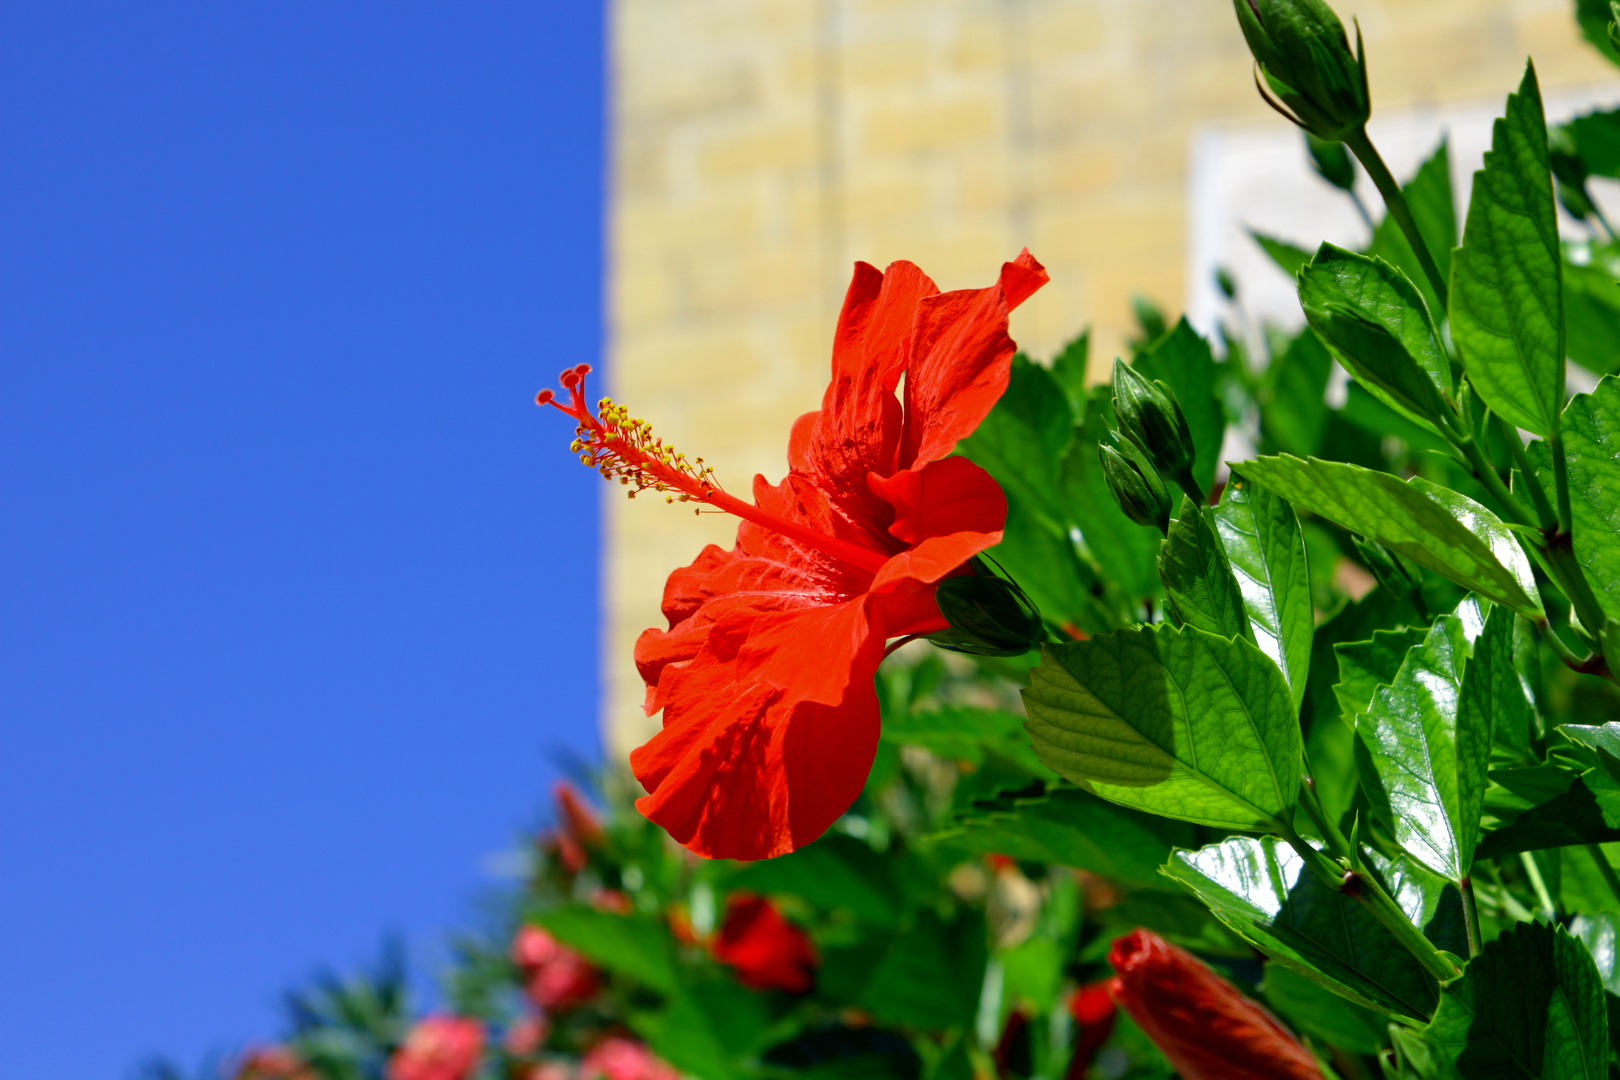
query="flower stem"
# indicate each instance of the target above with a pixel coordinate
(1538, 494)
(1365, 890)
(1470, 915)
(1537, 885)
(1395, 199)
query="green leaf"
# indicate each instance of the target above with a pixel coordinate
(1266, 552)
(836, 873)
(1427, 740)
(1295, 417)
(1375, 322)
(1176, 722)
(1322, 1014)
(1429, 196)
(634, 946)
(1506, 306)
(1365, 666)
(709, 1029)
(1604, 741)
(1601, 936)
(1592, 317)
(1288, 256)
(1529, 1005)
(1433, 526)
(1596, 136)
(1591, 427)
(1065, 587)
(1072, 827)
(1022, 441)
(1198, 577)
(1183, 361)
(929, 977)
(1177, 918)
(1595, 17)
(1126, 552)
(1069, 369)
(1582, 809)
(1261, 888)
(965, 734)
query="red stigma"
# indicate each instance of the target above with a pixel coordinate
(544, 397)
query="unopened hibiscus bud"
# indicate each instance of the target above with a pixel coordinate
(439, 1048)
(1202, 1023)
(989, 616)
(1148, 415)
(765, 950)
(1306, 59)
(557, 978)
(1332, 162)
(1136, 484)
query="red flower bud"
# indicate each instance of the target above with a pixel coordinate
(439, 1048)
(576, 816)
(767, 951)
(1201, 1022)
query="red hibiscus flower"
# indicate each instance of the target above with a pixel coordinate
(439, 1048)
(766, 951)
(556, 977)
(765, 672)
(1201, 1022)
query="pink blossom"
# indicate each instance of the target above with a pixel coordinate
(616, 1058)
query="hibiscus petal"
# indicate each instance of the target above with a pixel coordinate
(857, 429)
(959, 362)
(769, 732)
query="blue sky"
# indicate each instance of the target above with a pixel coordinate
(299, 587)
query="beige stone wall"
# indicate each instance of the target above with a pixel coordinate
(759, 147)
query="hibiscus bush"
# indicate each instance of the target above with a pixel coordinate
(1249, 713)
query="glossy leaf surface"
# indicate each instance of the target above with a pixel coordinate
(1506, 302)
(1266, 552)
(1261, 888)
(1433, 526)
(1177, 722)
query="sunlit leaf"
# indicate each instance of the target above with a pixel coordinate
(1506, 305)
(1433, 526)
(1173, 721)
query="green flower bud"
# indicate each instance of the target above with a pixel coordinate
(1306, 59)
(1136, 484)
(1393, 572)
(1149, 416)
(989, 615)
(1332, 162)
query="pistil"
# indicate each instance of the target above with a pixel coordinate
(623, 448)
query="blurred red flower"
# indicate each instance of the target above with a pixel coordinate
(1093, 1011)
(766, 950)
(273, 1063)
(616, 1058)
(556, 977)
(1201, 1022)
(765, 672)
(439, 1048)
